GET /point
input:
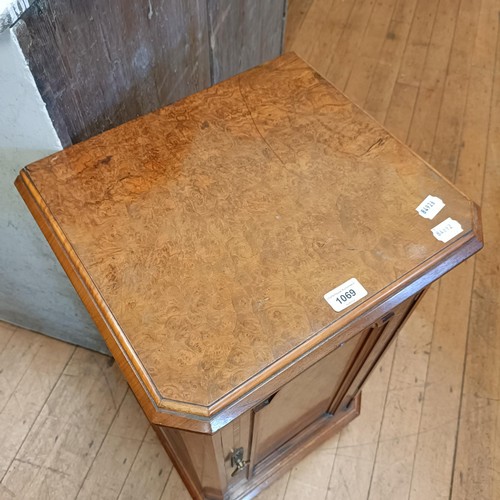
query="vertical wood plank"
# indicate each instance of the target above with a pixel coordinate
(243, 34)
(417, 45)
(398, 116)
(100, 63)
(433, 465)
(179, 34)
(471, 162)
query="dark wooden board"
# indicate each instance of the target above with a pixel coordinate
(243, 34)
(101, 63)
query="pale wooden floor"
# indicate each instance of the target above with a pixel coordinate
(430, 421)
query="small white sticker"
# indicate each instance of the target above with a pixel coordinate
(430, 207)
(447, 230)
(346, 294)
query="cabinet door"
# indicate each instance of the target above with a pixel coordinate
(303, 400)
(324, 388)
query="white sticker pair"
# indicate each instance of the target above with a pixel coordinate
(352, 290)
(447, 229)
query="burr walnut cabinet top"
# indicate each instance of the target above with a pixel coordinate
(206, 234)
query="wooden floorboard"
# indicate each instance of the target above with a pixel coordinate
(403, 406)
(430, 420)
(357, 85)
(29, 394)
(358, 444)
(117, 455)
(477, 463)
(447, 137)
(388, 65)
(337, 64)
(430, 91)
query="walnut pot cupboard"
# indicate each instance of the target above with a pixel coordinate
(203, 238)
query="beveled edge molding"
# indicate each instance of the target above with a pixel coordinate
(210, 418)
(115, 339)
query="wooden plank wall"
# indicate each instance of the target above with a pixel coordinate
(243, 32)
(100, 63)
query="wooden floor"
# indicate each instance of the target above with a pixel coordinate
(430, 421)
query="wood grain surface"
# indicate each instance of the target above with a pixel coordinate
(211, 229)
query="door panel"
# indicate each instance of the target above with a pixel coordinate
(301, 401)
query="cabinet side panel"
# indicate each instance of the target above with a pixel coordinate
(236, 435)
(199, 460)
(178, 453)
